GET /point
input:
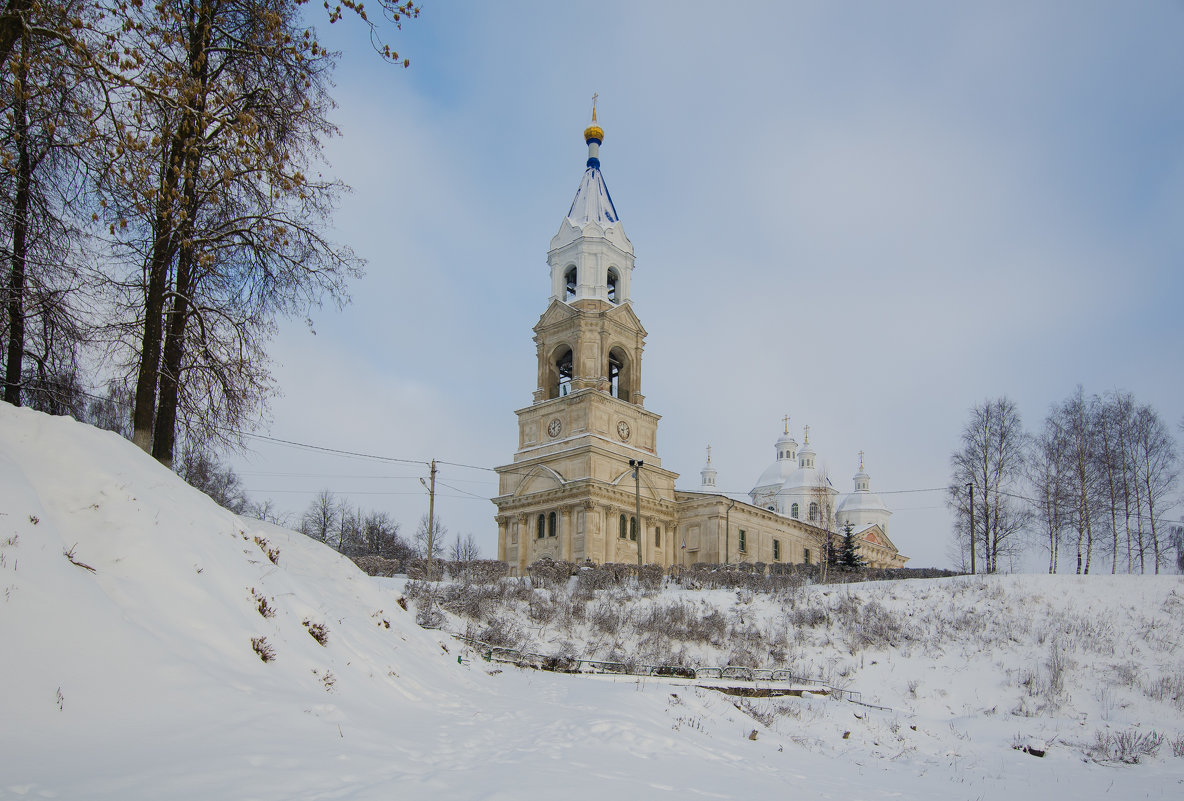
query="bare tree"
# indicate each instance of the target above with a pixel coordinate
(1115, 412)
(464, 549)
(214, 201)
(44, 99)
(1046, 473)
(1156, 470)
(992, 459)
(380, 536)
(202, 470)
(438, 538)
(349, 530)
(1076, 421)
(820, 514)
(320, 519)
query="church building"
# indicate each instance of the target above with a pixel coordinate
(586, 482)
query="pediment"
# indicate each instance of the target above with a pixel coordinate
(624, 315)
(874, 535)
(647, 488)
(540, 478)
(556, 313)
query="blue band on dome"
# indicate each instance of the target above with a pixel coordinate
(592, 139)
(594, 163)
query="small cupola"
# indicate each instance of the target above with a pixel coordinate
(707, 474)
(806, 454)
(786, 446)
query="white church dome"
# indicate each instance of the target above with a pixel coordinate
(784, 463)
(863, 508)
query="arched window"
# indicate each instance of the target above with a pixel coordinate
(813, 512)
(542, 526)
(613, 280)
(563, 368)
(793, 511)
(623, 535)
(633, 528)
(620, 375)
(569, 280)
(657, 536)
(551, 525)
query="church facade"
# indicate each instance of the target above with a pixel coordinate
(587, 483)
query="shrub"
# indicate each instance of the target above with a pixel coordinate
(498, 633)
(272, 553)
(263, 648)
(378, 566)
(546, 573)
(318, 631)
(262, 604)
(427, 614)
(1126, 746)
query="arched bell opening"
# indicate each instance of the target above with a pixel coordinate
(620, 375)
(614, 282)
(570, 283)
(559, 373)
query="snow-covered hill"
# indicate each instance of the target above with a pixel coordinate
(134, 611)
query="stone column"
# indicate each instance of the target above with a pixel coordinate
(566, 524)
(523, 544)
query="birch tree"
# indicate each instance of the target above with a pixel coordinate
(991, 458)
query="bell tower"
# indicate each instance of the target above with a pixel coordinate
(570, 493)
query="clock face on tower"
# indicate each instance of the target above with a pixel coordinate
(554, 427)
(623, 430)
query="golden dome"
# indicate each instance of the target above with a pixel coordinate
(594, 131)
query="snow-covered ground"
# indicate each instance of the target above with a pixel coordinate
(130, 604)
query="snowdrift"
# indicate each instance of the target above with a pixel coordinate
(156, 646)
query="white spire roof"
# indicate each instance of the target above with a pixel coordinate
(592, 202)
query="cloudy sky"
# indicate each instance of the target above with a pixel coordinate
(866, 216)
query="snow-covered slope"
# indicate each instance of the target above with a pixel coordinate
(128, 607)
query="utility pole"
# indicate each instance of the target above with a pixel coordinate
(971, 488)
(637, 464)
(431, 522)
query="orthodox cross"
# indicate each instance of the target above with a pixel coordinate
(807, 430)
(786, 421)
(594, 96)
(708, 454)
(861, 460)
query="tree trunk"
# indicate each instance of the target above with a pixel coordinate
(20, 230)
(12, 26)
(165, 427)
(152, 335)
